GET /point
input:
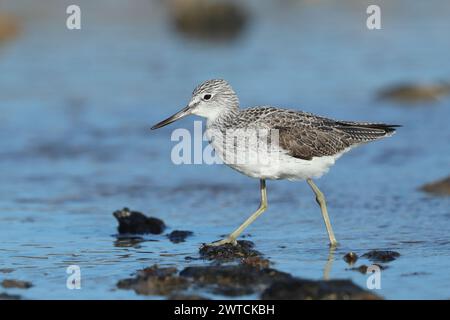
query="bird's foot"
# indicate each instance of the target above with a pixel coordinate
(333, 244)
(218, 243)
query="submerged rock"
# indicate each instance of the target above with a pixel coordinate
(212, 20)
(252, 275)
(11, 283)
(133, 222)
(300, 289)
(363, 268)
(186, 297)
(440, 187)
(230, 280)
(233, 280)
(257, 262)
(127, 242)
(410, 93)
(228, 252)
(6, 296)
(381, 255)
(417, 273)
(178, 236)
(155, 281)
(351, 258)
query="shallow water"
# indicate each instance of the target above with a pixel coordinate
(75, 145)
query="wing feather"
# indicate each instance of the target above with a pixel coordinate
(305, 135)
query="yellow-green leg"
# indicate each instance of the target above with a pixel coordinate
(262, 207)
(323, 207)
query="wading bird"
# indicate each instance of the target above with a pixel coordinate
(293, 145)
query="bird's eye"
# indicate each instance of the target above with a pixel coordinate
(206, 97)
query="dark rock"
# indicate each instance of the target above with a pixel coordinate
(251, 276)
(11, 283)
(128, 242)
(186, 297)
(231, 274)
(363, 268)
(440, 187)
(256, 262)
(178, 236)
(155, 281)
(409, 93)
(212, 20)
(233, 280)
(133, 222)
(228, 252)
(381, 255)
(417, 273)
(229, 280)
(189, 258)
(232, 291)
(299, 289)
(6, 296)
(351, 258)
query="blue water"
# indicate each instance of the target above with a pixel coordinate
(75, 144)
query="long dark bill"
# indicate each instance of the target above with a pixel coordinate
(180, 114)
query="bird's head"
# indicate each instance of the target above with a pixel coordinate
(210, 100)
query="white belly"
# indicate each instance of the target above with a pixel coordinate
(271, 163)
(287, 167)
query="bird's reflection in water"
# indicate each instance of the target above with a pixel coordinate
(329, 263)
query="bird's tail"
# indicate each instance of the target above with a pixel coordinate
(366, 131)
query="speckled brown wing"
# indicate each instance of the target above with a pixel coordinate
(306, 143)
(304, 135)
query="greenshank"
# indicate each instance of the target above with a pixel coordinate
(288, 144)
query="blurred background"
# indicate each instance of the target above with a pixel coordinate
(75, 145)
